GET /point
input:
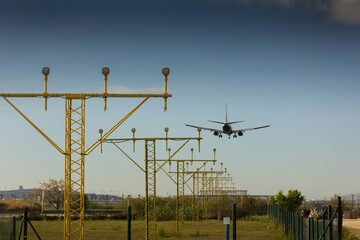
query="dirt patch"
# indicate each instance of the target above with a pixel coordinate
(351, 223)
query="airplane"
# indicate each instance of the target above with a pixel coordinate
(226, 127)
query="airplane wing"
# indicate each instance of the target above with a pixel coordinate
(203, 128)
(250, 129)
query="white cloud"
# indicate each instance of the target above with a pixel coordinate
(346, 11)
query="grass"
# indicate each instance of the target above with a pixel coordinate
(117, 229)
(16, 205)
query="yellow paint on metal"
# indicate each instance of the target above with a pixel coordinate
(75, 151)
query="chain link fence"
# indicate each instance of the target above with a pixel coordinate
(199, 219)
(202, 219)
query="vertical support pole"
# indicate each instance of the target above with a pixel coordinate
(339, 219)
(310, 229)
(150, 188)
(301, 236)
(323, 228)
(234, 221)
(180, 203)
(13, 234)
(197, 203)
(330, 213)
(74, 213)
(227, 231)
(67, 190)
(25, 222)
(129, 223)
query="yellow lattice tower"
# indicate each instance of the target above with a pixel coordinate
(152, 167)
(75, 150)
(181, 183)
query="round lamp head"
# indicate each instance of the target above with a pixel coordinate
(45, 71)
(169, 149)
(199, 129)
(105, 71)
(166, 129)
(214, 149)
(166, 71)
(192, 149)
(101, 131)
(133, 130)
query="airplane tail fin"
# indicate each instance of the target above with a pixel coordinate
(226, 112)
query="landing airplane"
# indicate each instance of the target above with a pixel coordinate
(226, 127)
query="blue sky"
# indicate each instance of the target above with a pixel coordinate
(292, 64)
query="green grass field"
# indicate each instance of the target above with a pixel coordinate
(254, 229)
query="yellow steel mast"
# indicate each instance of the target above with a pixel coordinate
(152, 167)
(75, 150)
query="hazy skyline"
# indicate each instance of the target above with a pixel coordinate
(289, 63)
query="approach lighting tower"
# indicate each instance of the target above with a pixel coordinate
(151, 169)
(75, 150)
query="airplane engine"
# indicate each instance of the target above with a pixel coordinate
(240, 133)
(216, 133)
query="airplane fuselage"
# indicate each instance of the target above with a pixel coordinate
(227, 129)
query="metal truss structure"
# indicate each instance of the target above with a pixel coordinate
(152, 167)
(75, 150)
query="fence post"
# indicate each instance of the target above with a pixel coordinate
(129, 223)
(301, 228)
(330, 213)
(234, 221)
(14, 229)
(25, 222)
(339, 220)
(310, 222)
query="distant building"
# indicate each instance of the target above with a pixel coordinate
(18, 194)
(21, 194)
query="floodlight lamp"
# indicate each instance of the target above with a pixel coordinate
(199, 129)
(169, 149)
(192, 149)
(214, 149)
(221, 164)
(166, 129)
(101, 131)
(166, 71)
(133, 130)
(105, 71)
(45, 71)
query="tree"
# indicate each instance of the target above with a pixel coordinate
(53, 192)
(291, 202)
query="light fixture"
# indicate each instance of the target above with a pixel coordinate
(133, 130)
(166, 71)
(45, 71)
(101, 131)
(105, 71)
(166, 129)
